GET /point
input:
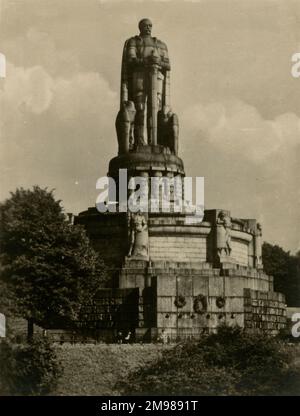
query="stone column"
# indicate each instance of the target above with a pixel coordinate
(155, 192)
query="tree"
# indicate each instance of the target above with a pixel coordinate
(285, 268)
(28, 369)
(49, 268)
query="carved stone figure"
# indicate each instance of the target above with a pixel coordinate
(223, 234)
(258, 246)
(145, 79)
(168, 129)
(138, 236)
(173, 132)
(125, 125)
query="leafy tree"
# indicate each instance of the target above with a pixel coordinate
(285, 268)
(48, 267)
(28, 369)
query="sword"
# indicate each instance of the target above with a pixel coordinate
(154, 104)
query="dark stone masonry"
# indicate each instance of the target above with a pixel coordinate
(170, 275)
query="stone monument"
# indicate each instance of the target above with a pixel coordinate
(169, 275)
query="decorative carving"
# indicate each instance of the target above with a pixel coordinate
(220, 302)
(168, 129)
(180, 301)
(200, 304)
(145, 80)
(258, 246)
(223, 234)
(138, 236)
(124, 126)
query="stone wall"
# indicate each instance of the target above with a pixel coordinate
(240, 252)
(166, 281)
(170, 238)
(185, 261)
(222, 291)
(264, 311)
(181, 248)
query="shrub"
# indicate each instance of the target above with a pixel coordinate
(231, 362)
(28, 369)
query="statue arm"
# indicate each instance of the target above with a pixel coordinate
(131, 53)
(124, 80)
(165, 61)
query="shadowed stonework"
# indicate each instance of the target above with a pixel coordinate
(170, 276)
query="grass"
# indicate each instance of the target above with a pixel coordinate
(95, 369)
(90, 369)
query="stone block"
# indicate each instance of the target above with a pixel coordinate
(234, 285)
(185, 285)
(166, 322)
(200, 285)
(166, 285)
(216, 286)
(234, 304)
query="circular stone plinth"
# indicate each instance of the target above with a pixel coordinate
(146, 158)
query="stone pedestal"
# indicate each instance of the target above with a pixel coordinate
(181, 289)
(188, 276)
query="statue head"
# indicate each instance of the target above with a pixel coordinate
(145, 26)
(222, 215)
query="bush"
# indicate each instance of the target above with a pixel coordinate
(231, 362)
(28, 369)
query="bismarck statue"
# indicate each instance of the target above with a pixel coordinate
(145, 116)
(156, 256)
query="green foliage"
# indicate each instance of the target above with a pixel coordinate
(29, 369)
(286, 271)
(48, 266)
(230, 362)
(91, 369)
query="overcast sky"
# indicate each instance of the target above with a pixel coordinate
(231, 86)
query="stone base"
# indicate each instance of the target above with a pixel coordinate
(180, 288)
(146, 158)
(136, 258)
(146, 334)
(211, 297)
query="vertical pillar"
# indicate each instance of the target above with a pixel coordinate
(156, 192)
